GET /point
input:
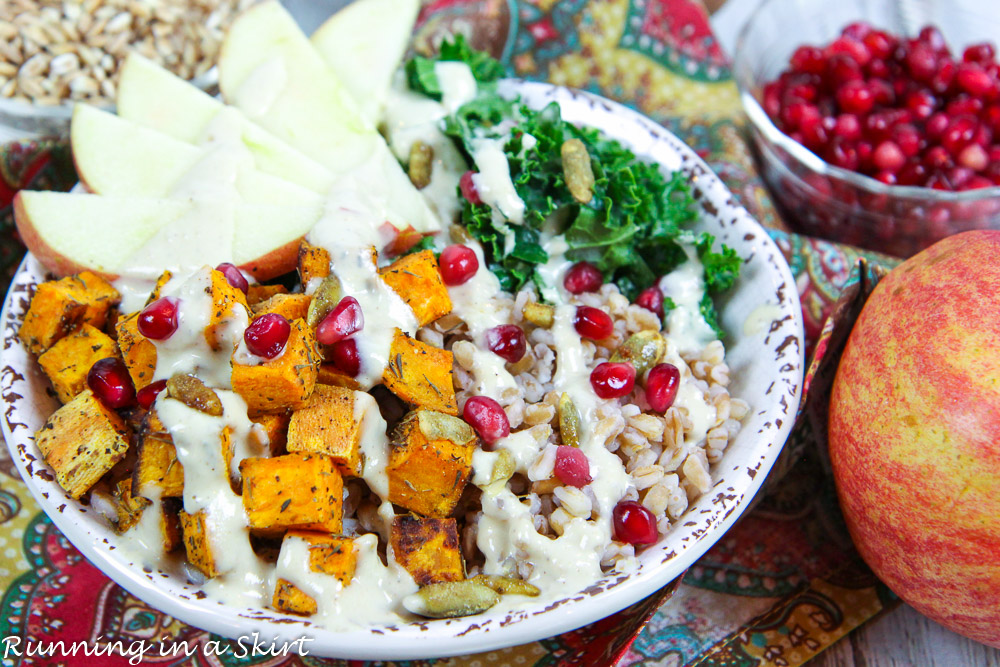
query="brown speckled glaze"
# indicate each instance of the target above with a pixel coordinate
(767, 372)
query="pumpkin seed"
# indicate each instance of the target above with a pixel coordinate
(578, 171)
(193, 393)
(539, 314)
(325, 298)
(643, 350)
(506, 585)
(439, 426)
(503, 468)
(451, 599)
(569, 421)
(421, 164)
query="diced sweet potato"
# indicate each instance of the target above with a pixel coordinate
(427, 548)
(327, 554)
(417, 281)
(81, 441)
(138, 352)
(129, 507)
(170, 524)
(291, 306)
(197, 543)
(158, 287)
(99, 295)
(314, 262)
(156, 461)
(430, 460)
(55, 310)
(331, 375)
(421, 374)
(258, 293)
(293, 491)
(225, 300)
(284, 383)
(326, 426)
(276, 428)
(69, 360)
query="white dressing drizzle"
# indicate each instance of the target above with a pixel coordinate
(373, 444)
(686, 286)
(493, 183)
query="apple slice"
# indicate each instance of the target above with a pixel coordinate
(363, 44)
(118, 158)
(155, 98)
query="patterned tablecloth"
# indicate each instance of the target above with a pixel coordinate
(781, 586)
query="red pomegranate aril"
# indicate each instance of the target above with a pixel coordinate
(936, 126)
(977, 183)
(937, 158)
(507, 341)
(840, 69)
(855, 97)
(458, 263)
(468, 188)
(266, 336)
(572, 467)
(345, 358)
(842, 154)
(913, 173)
(234, 276)
(487, 419)
(888, 156)
(921, 103)
(583, 277)
(974, 157)
(662, 384)
(110, 382)
(808, 59)
(944, 77)
(973, 79)
(851, 47)
(345, 320)
(772, 99)
(959, 134)
(979, 53)
(146, 396)
(847, 127)
(158, 320)
(887, 177)
(880, 45)
(593, 323)
(964, 104)
(651, 299)
(958, 176)
(907, 137)
(878, 69)
(634, 523)
(922, 62)
(613, 379)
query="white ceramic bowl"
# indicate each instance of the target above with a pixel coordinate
(766, 363)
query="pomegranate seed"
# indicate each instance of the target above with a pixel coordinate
(921, 62)
(634, 523)
(959, 134)
(158, 320)
(991, 118)
(887, 177)
(882, 92)
(852, 48)
(772, 99)
(979, 53)
(593, 323)
(468, 188)
(878, 69)
(840, 69)
(971, 78)
(937, 158)
(857, 30)
(651, 299)
(266, 336)
(583, 277)
(345, 357)
(613, 379)
(921, 103)
(507, 341)
(974, 157)
(933, 38)
(147, 395)
(487, 418)
(888, 157)
(879, 44)
(662, 384)
(848, 127)
(111, 383)
(943, 77)
(572, 467)
(345, 320)
(458, 263)
(936, 126)
(977, 183)
(913, 173)
(842, 154)
(808, 59)
(964, 104)
(234, 276)
(907, 137)
(959, 176)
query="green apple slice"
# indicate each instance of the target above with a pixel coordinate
(363, 44)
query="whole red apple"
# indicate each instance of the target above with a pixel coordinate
(915, 433)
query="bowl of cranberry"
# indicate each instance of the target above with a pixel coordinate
(876, 123)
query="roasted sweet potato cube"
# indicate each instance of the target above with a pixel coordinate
(331, 375)
(314, 262)
(327, 554)
(69, 360)
(421, 374)
(427, 548)
(225, 300)
(55, 310)
(326, 425)
(283, 383)
(99, 295)
(197, 543)
(81, 441)
(275, 427)
(302, 491)
(170, 524)
(430, 460)
(156, 461)
(158, 287)
(258, 293)
(138, 352)
(417, 281)
(129, 507)
(291, 306)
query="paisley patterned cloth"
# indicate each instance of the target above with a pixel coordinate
(781, 586)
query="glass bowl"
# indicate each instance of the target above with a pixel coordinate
(824, 200)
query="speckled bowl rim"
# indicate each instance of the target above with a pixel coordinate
(767, 372)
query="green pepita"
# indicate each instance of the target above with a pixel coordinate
(539, 314)
(643, 350)
(569, 421)
(325, 298)
(507, 585)
(193, 393)
(577, 170)
(451, 599)
(420, 165)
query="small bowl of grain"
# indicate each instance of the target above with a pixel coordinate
(55, 53)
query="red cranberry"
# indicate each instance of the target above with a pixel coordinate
(147, 395)
(583, 277)
(593, 323)
(345, 320)
(613, 379)
(634, 523)
(468, 188)
(507, 341)
(458, 263)
(158, 320)
(572, 467)
(487, 418)
(662, 384)
(344, 356)
(111, 383)
(651, 299)
(266, 336)
(234, 276)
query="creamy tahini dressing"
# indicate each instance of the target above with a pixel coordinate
(686, 286)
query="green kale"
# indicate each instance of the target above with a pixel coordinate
(420, 75)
